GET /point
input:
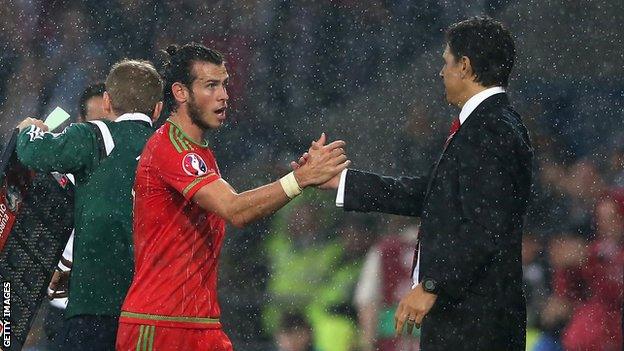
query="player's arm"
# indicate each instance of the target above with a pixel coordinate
(243, 208)
(65, 152)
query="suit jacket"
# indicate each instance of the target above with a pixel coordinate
(471, 206)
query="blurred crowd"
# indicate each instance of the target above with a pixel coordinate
(312, 277)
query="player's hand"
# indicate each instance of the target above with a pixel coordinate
(32, 121)
(302, 161)
(59, 284)
(306, 155)
(412, 309)
(322, 163)
(333, 182)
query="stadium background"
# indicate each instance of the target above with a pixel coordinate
(365, 72)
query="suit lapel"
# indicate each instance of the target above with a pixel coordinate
(434, 171)
(487, 104)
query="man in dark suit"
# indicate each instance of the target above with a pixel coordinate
(467, 290)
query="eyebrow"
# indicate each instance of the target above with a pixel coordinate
(212, 80)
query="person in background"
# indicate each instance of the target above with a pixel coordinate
(90, 105)
(596, 320)
(566, 254)
(535, 278)
(384, 279)
(294, 334)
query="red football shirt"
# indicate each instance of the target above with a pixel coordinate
(176, 242)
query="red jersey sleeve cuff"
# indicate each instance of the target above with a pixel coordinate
(196, 184)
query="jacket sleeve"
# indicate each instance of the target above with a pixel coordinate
(486, 203)
(366, 192)
(73, 150)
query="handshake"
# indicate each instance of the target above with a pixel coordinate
(321, 165)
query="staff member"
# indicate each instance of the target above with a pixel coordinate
(467, 272)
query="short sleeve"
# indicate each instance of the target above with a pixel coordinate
(187, 172)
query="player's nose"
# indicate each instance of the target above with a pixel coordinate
(224, 94)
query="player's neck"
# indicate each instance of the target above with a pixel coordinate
(184, 122)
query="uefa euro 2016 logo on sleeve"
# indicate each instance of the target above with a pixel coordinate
(194, 165)
(5, 328)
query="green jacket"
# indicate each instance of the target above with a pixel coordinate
(103, 157)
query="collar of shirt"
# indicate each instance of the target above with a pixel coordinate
(134, 117)
(476, 100)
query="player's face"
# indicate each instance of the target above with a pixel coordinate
(451, 75)
(208, 96)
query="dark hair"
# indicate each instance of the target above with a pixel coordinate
(93, 90)
(488, 45)
(178, 66)
(134, 86)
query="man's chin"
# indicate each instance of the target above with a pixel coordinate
(213, 125)
(450, 100)
(210, 123)
(217, 123)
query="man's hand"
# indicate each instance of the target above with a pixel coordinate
(306, 155)
(413, 308)
(334, 181)
(321, 163)
(32, 121)
(59, 284)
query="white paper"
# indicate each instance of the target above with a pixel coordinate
(56, 118)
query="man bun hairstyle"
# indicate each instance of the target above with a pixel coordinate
(171, 49)
(134, 86)
(488, 45)
(178, 66)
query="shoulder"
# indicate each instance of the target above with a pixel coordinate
(494, 127)
(98, 120)
(133, 133)
(168, 141)
(74, 131)
(160, 142)
(76, 128)
(166, 147)
(121, 127)
(96, 124)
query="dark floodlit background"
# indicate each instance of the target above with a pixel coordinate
(365, 72)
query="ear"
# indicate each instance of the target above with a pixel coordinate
(157, 110)
(466, 68)
(107, 104)
(180, 92)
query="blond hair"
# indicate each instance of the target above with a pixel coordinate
(134, 86)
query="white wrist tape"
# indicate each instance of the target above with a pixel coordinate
(290, 185)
